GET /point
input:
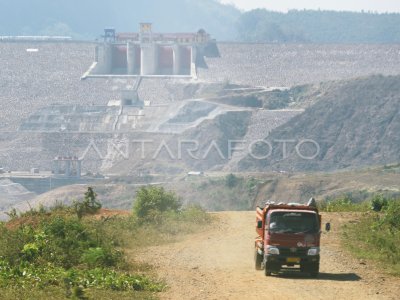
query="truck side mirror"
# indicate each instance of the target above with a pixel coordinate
(328, 227)
(259, 224)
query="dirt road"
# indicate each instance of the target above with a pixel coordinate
(218, 264)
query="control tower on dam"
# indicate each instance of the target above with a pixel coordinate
(148, 54)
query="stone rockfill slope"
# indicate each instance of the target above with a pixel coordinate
(296, 64)
(356, 123)
(32, 80)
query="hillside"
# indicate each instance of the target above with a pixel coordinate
(354, 124)
(217, 191)
(314, 26)
(35, 84)
(86, 19)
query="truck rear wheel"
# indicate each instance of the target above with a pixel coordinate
(258, 259)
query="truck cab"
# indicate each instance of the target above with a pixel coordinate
(288, 236)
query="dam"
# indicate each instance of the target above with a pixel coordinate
(146, 53)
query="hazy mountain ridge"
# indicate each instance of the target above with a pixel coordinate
(86, 20)
(314, 26)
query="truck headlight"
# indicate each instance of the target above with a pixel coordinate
(272, 250)
(313, 251)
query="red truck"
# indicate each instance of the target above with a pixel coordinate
(288, 236)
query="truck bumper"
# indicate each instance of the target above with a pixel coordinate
(306, 263)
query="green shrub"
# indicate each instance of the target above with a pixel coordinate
(152, 201)
(391, 217)
(30, 251)
(13, 242)
(67, 239)
(97, 257)
(378, 203)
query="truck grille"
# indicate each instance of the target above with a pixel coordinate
(290, 252)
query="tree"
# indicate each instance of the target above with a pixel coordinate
(89, 205)
(151, 201)
(231, 180)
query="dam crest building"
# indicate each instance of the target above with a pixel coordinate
(146, 53)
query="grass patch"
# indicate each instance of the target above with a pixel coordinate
(169, 226)
(376, 236)
(55, 293)
(343, 204)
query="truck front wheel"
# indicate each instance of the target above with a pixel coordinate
(267, 272)
(314, 274)
(267, 269)
(258, 260)
(312, 269)
(315, 271)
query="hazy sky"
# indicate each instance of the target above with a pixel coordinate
(352, 5)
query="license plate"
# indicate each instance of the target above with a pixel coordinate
(294, 260)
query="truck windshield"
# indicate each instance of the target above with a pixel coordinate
(293, 222)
